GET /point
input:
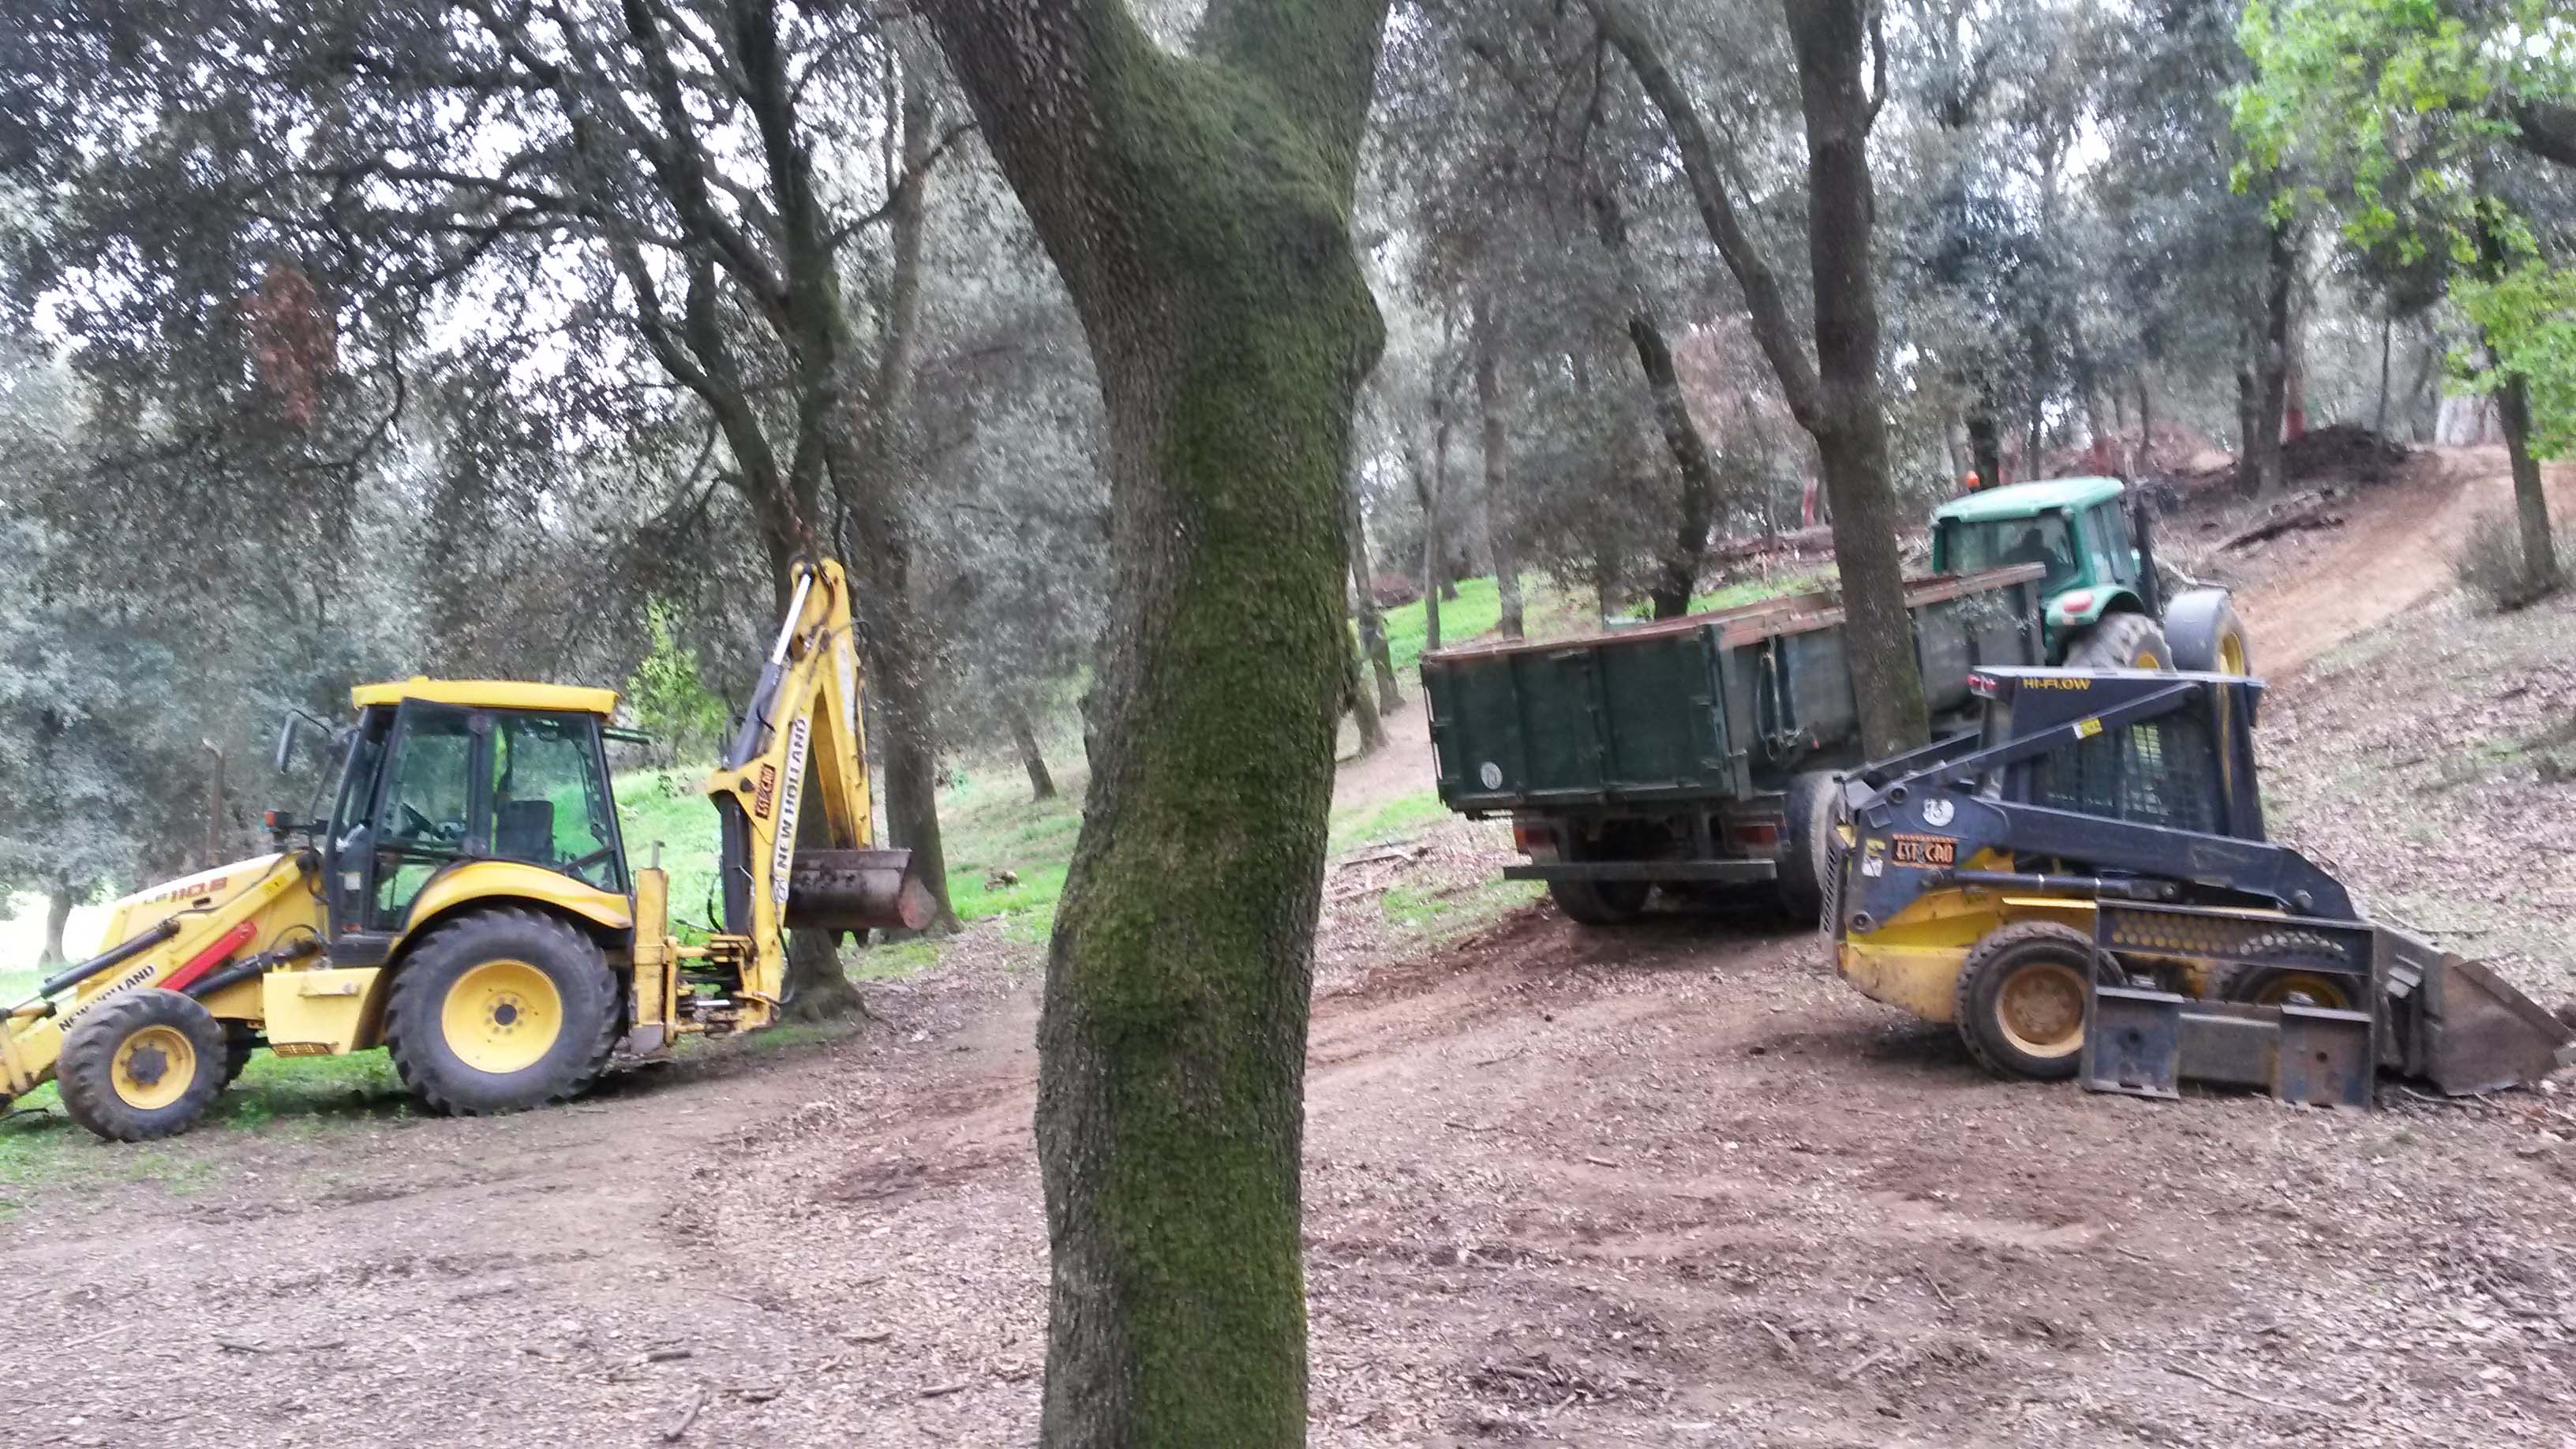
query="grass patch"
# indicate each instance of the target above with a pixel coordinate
(1386, 820)
(1444, 914)
(1476, 612)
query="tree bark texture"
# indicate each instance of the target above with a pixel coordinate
(1496, 447)
(1986, 443)
(1431, 491)
(1357, 699)
(1198, 210)
(58, 915)
(1024, 735)
(1834, 394)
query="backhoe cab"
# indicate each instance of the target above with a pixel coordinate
(467, 903)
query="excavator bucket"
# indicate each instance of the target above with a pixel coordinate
(857, 890)
(2457, 1024)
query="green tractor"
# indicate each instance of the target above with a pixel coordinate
(2104, 603)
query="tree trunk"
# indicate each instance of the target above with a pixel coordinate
(1432, 489)
(2379, 415)
(2530, 504)
(1495, 447)
(1361, 704)
(1198, 210)
(58, 915)
(2146, 465)
(1830, 37)
(817, 988)
(2260, 473)
(1677, 572)
(1364, 602)
(1986, 443)
(1024, 734)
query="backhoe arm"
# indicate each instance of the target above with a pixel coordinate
(787, 860)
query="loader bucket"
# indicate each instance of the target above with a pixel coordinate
(857, 890)
(2460, 1026)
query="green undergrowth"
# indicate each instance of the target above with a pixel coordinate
(1386, 820)
(1441, 914)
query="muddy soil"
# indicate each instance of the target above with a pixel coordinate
(1668, 1185)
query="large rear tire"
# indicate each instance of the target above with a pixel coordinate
(2121, 641)
(2020, 1000)
(2288, 969)
(1601, 902)
(142, 1064)
(502, 1010)
(2206, 635)
(1806, 828)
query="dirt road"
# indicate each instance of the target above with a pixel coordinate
(1674, 1185)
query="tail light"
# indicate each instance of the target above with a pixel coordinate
(1534, 839)
(1760, 833)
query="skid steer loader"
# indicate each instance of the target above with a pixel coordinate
(2084, 887)
(467, 904)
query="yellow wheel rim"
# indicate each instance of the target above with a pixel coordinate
(2147, 660)
(2322, 990)
(154, 1067)
(502, 1016)
(2231, 655)
(2041, 1009)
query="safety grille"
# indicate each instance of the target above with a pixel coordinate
(2159, 772)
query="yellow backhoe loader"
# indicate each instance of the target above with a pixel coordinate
(467, 904)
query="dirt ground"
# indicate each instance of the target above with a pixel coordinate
(1670, 1185)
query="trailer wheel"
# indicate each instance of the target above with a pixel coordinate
(2206, 635)
(2122, 641)
(1806, 828)
(2020, 999)
(141, 1065)
(1601, 902)
(499, 1011)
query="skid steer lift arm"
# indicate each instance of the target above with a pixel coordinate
(780, 865)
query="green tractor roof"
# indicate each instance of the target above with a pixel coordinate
(2023, 500)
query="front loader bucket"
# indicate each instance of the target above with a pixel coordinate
(2462, 1027)
(857, 890)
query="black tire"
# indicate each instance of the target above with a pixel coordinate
(2206, 635)
(1601, 902)
(2283, 971)
(122, 1101)
(1985, 1000)
(584, 1007)
(2121, 641)
(1806, 829)
(240, 1040)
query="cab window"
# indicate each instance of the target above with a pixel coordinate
(1967, 547)
(550, 800)
(425, 817)
(2111, 521)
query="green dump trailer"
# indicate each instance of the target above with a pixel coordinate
(1698, 752)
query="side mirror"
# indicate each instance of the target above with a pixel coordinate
(296, 722)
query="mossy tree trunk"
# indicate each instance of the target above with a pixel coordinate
(1364, 603)
(1198, 209)
(1495, 444)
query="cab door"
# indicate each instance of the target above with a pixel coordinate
(415, 800)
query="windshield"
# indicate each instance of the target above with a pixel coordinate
(2003, 542)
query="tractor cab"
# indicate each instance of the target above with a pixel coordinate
(2080, 529)
(441, 780)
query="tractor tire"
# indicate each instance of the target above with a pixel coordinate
(2020, 1000)
(502, 1010)
(143, 1064)
(2283, 973)
(2121, 641)
(1806, 830)
(2206, 635)
(240, 1040)
(1601, 902)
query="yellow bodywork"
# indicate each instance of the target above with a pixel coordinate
(489, 694)
(500, 1015)
(1913, 961)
